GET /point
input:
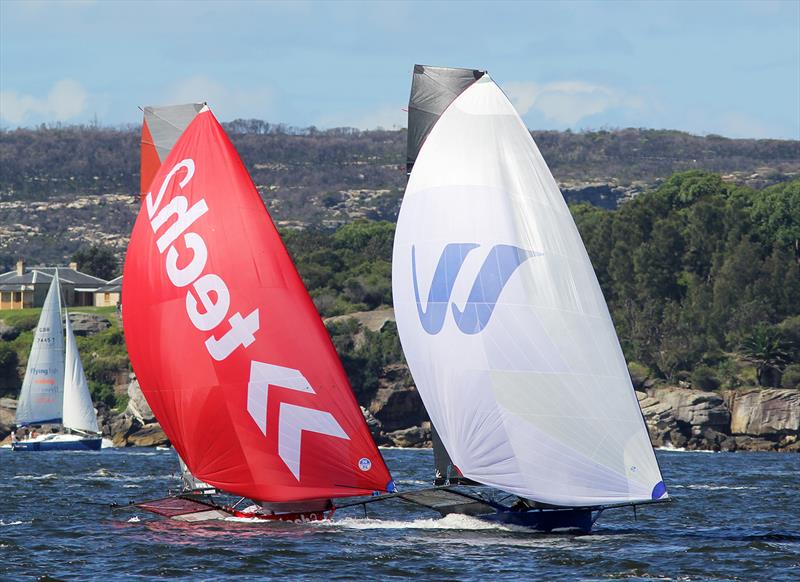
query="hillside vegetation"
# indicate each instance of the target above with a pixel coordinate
(702, 279)
(65, 187)
(103, 353)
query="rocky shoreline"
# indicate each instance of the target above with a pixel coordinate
(752, 419)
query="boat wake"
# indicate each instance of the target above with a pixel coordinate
(449, 522)
(714, 487)
(452, 522)
(45, 477)
(671, 449)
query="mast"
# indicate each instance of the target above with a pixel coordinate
(162, 126)
(433, 89)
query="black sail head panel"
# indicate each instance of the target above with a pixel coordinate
(433, 89)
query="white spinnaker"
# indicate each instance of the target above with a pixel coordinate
(79, 411)
(42, 391)
(537, 401)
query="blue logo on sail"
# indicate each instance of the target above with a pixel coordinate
(501, 262)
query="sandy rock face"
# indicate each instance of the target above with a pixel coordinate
(150, 435)
(700, 410)
(415, 437)
(765, 412)
(137, 404)
(8, 412)
(397, 404)
(752, 420)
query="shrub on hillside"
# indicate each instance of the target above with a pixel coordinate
(639, 374)
(9, 378)
(704, 378)
(791, 376)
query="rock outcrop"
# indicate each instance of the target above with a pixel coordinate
(753, 419)
(748, 419)
(771, 415)
(149, 435)
(136, 426)
(397, 404)
(414, 437)
(84, 324)
(138, 407)
(8, 411)
(8, 332)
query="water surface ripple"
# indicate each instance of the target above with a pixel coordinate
(736, 517)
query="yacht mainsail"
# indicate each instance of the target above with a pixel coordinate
(42, 395)
(501, 318)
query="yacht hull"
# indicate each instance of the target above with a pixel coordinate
(90, 444)
(546, 520)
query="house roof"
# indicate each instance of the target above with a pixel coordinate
(113, 286)
(11, 281)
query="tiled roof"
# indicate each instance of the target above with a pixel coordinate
(11, 281)
(113, 286)
(77, 278)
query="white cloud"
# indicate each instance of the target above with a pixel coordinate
(227, 102)
(66, 100)
(567, 102)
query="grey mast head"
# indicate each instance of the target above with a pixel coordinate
(433, 89)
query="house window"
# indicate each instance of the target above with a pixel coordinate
(17, 297)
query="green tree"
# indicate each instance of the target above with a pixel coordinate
(776, 215)
(98, 261)
(767, 350)
(9, 377)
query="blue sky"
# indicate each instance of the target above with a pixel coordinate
(731, 68)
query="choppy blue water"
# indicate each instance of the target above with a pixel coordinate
(736, 517)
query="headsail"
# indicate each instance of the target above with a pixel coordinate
(42, 394)
(79, 413)
(161, 128)
(502, 320)
(227, 345)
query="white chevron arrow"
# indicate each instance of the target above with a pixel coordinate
(292, 419)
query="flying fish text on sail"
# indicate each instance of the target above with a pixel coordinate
(209, 289)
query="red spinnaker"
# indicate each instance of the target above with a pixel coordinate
(225, 341)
